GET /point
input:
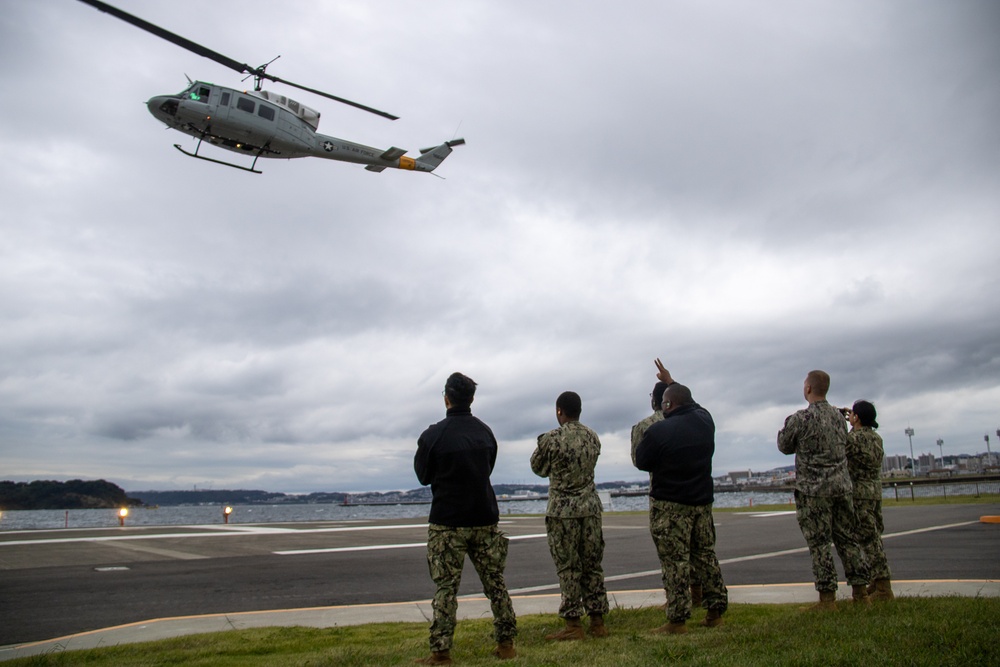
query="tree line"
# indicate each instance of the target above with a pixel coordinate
(71, 495)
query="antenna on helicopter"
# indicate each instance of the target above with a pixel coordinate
(258, 73)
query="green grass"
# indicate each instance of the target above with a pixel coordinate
(910, 631)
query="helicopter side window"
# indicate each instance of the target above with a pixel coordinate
(245, 104)
(225, 100)
(265, 111)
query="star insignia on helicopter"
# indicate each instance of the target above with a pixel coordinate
(328, 146)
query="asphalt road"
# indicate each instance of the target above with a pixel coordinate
(55, 583)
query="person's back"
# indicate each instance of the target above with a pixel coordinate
(568, 457)
(824, 507)
(456, 457)
(677, 452)
(864, 462)
(817, 435)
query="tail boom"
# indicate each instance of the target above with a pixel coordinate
(377, 160)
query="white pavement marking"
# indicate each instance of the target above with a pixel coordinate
(378, 547)
(228, 531)
(740, 559)
(334, 550)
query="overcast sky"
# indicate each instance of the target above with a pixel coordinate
(747, 190)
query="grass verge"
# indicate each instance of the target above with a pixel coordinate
(909, 631)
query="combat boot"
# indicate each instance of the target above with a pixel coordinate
(827, 602)
(597, 627)
(572, 631)
(672, 628)
(713, 619)
(883, 591)
(505, 650)
(860, 595)
(436, 658)
(696, 595)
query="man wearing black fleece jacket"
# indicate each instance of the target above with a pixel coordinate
(456, 457)
(677, 452)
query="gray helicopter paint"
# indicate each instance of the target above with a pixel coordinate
(249, 124)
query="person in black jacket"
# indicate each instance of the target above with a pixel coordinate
(677, 452)
(456, 457)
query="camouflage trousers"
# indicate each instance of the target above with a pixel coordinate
(825, 520)
(684, 536)
(487, 549)
(577, 547)
(868, 512)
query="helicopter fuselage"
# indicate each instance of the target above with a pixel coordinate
(263, 124)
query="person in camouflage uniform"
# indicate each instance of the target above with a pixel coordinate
(864, 463)
(567, 456)
(456, 457)
(817, 436)
(677, 451)
(639, 430)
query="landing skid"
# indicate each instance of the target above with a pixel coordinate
(228, 164)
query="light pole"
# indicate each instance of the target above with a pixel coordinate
(913, 463)
(989, 456)
(940, 444)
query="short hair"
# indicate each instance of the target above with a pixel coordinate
(658, 390)
(865, 412)
(569, 402)
(819, 381)
(679, 395)
(460, 389)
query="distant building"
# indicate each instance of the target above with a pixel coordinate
(894, 463)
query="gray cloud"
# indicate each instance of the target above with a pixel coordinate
(748, 191)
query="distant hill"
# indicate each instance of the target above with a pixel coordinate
(72, 495)
(232, 497)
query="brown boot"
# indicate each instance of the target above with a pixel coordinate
(860, 595)
(827, 602)
(672, 628)
(597, 627)
(572, 631)
(883, 591)
(713, 619)
(436, 658)
(696, 595)
(505, 650)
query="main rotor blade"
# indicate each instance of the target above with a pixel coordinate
(356, 105)
(226, 61)
(171, 37)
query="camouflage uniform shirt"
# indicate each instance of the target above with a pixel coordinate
(818, 438)
(639, 430)
(864, 462)
(567, 456)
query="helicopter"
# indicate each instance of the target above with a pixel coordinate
(260, 123)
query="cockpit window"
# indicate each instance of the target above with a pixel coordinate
(200, 93)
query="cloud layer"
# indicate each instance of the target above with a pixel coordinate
(746, 190)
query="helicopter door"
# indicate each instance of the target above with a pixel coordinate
(222, 107)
